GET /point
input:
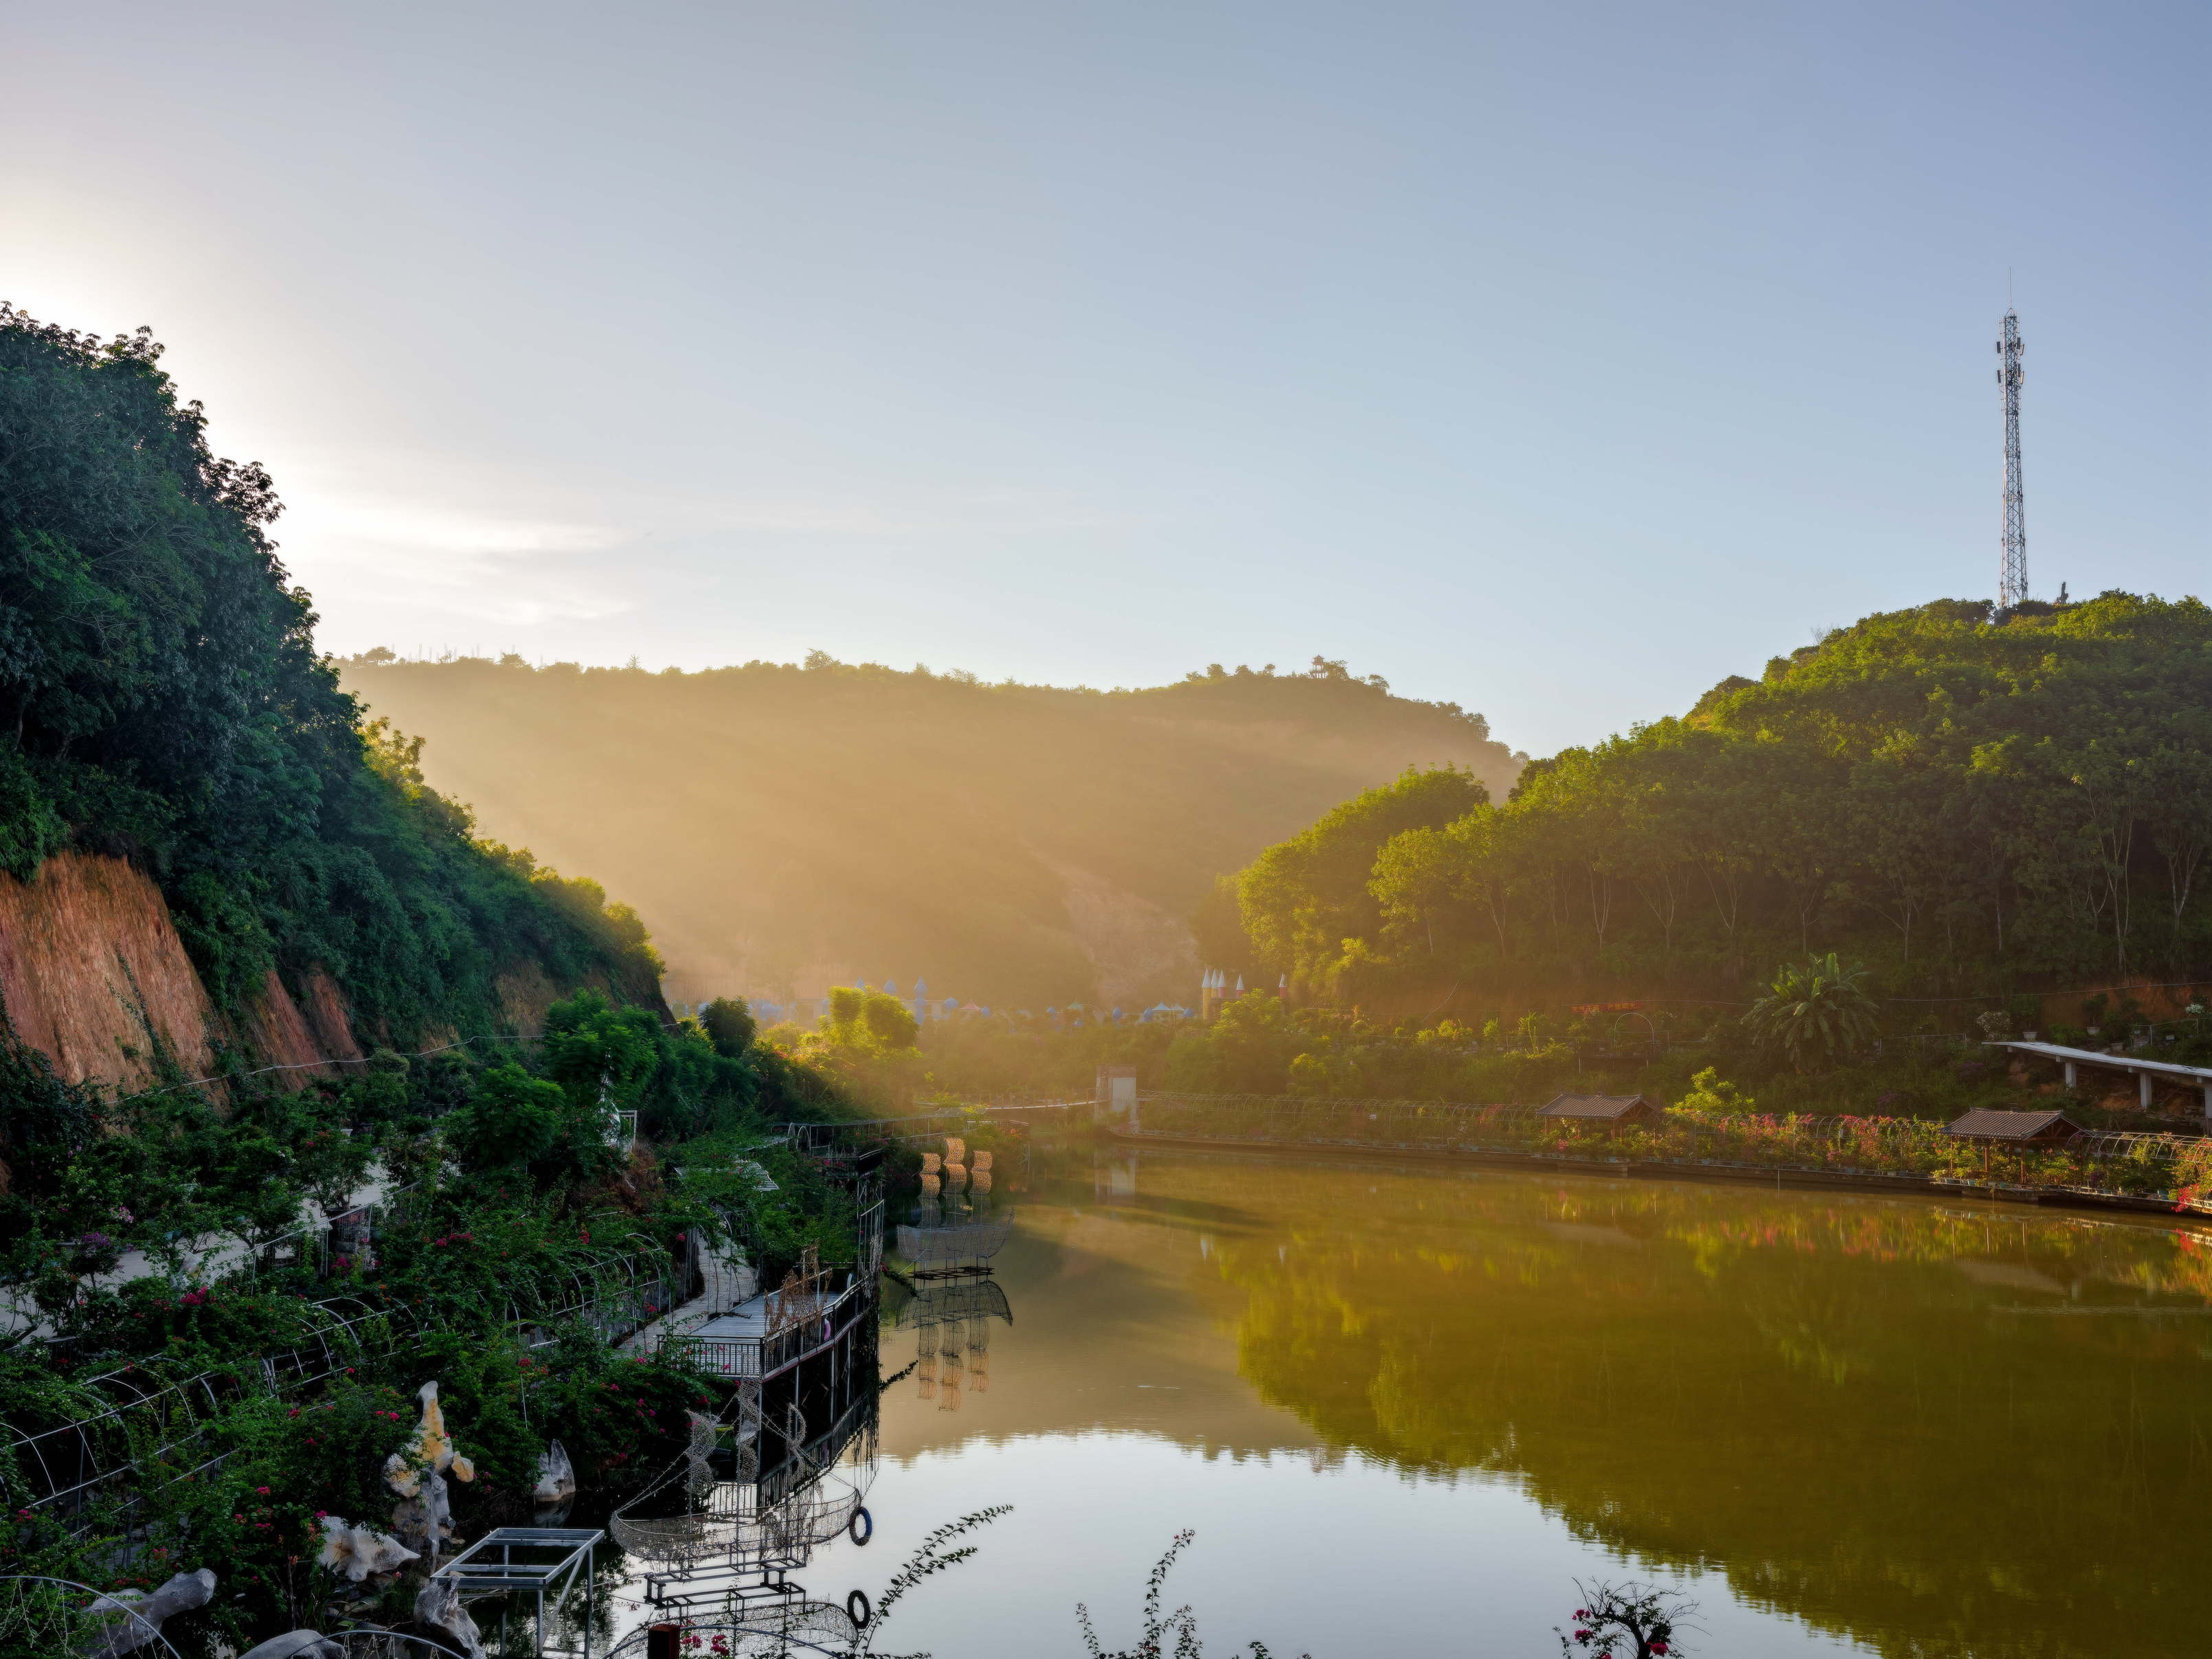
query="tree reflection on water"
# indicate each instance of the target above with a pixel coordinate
(1935, 1430)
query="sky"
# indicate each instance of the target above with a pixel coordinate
(1556, 360)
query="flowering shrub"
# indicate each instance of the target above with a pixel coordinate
(1625, 1619)
(2192, 1177)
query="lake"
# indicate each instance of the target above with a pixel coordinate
(1405, 1409)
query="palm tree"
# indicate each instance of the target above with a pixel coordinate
(1819, 1011)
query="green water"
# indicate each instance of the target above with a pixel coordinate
(1913, 1428)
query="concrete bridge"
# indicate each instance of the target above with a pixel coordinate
(2148, 1073)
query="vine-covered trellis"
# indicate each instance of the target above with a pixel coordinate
(108, 1437)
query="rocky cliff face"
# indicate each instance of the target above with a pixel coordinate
(92, 975)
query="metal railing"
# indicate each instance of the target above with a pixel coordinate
(914, 1126)
(751, 1357)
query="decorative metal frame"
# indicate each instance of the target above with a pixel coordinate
(531, 1561)
(736, 1539)
(373, 1642)
(759, 1630)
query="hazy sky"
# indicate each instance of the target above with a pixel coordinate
(1554, 359)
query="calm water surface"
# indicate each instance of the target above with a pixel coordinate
(1405, 1409)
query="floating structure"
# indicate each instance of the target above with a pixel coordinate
(758, 1491)
(951, 1236)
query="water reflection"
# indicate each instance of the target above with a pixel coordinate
(781, 1470)
(951, 1320)
(713, 1545)
(1936, 1430)
(1406, 1407)
(952, 1232)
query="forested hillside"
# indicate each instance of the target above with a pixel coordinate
(782, 826)
(1969, 804)
(214, 872)
(164, 716)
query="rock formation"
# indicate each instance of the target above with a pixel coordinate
(138, 1613)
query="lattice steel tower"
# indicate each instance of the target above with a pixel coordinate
(2012, 561)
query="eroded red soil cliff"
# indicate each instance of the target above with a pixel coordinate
(93, 974)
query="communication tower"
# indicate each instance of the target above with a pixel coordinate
(2012, 560)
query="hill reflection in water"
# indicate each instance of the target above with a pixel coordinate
(1926, 1430)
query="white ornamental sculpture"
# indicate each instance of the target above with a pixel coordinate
(440, 1615)
(138, 1614)
(423, 1516)
(359, 1554)
(556, 1477)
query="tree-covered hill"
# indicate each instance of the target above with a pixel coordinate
(161, 701)
(1970, 804)
(787, 826)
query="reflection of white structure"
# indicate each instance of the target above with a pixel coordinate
(951, 1320)
(953, 1238)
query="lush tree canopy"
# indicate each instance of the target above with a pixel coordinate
(161, 698)
(1968, 803)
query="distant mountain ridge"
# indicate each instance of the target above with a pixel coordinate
(782, 827)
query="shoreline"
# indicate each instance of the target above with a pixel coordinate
(1739, 1175)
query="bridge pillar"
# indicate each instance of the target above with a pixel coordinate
(2069, 1074)
(2142, 1089)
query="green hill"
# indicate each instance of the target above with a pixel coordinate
(785, 827)
(165, 719)
(1975, 805)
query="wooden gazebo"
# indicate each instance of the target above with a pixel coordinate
(2015, 1129)
(1613, 1112)
(2019, 1130)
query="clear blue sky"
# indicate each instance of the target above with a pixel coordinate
(1555, 359)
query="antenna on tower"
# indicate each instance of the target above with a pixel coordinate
(2012, 559)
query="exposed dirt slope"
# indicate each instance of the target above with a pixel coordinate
(93, 976)
(92, 972)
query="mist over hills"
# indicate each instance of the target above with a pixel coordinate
(783, 827)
